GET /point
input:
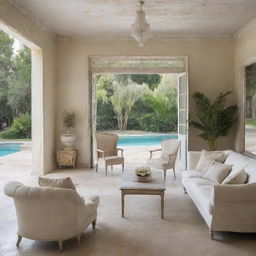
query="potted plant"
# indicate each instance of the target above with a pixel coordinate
(143, 174)
(68, 138)
(213, 119)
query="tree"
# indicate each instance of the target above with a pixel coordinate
(123, 99)
(152, 80)
(6, 51)
(251, 91)
(19, 83)
(213, 119)
(105, 112)
(163, 111)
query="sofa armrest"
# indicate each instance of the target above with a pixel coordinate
(193, 158)
(235, 193)
(234, 208)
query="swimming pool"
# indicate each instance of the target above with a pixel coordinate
(144, 140)
(9, 148)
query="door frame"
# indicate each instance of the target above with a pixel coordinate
(92, 70)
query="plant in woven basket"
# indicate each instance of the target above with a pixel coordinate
(69, 120)
(143, 171)
(214, 119)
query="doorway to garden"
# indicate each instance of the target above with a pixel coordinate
(21, 92)
(142, 99)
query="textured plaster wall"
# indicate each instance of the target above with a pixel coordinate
(245, 54)
(211, 70)
(43, 82)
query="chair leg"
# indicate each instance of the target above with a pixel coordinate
(174, 174)
(60, 245)
(106, 170)
(111, 167)
(185, 191)
(122, 167)
(164, 174)
(94, 224)
(18, 240)
(96, 167)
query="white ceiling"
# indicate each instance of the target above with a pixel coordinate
(101, 18)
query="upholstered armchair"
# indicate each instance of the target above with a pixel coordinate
(107, 150)
(51, 214)
(169, 151)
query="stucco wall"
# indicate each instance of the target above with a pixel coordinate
(14, 22)
(211, 70)
(245, 54)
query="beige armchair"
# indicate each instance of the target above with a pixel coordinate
(169, 150)
(107, 149)
(51, 214)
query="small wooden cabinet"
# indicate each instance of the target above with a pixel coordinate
(67, 158)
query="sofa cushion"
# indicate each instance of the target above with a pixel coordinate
(200, 188)
(250, 169)
(217, 172)
(56, 183)
(192, 174)
(238, 161)
(237, 178)
(203, 163)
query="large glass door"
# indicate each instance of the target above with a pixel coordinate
(182, 119)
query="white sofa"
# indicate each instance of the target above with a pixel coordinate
(51, 214)
(224, 207)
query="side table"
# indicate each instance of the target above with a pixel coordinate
(67, 157)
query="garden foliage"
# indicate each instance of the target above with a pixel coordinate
(148, 104)
(15, 89)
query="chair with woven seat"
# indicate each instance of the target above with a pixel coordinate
(107, 150)
(169, 151)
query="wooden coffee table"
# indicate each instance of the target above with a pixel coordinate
(130, 186)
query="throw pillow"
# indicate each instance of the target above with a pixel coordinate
(56, 183)
(217, 172)
(237, 178)
(203, 164)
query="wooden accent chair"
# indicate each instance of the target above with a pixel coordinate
(169, 151)
(107, 149)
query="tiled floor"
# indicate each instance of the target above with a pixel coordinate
(141, 232)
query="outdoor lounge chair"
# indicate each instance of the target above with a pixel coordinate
(169, 150)
(107, 149)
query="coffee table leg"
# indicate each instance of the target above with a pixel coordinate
(122, 195)
(162, 205)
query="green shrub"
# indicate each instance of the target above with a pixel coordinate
(20, 129)
(9, 134)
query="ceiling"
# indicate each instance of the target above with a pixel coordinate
(167, 18)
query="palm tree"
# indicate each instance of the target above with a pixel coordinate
(123, 99)
(213, 119)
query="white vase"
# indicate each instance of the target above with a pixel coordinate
(68, 139)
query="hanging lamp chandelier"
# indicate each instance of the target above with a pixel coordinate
(140, 29)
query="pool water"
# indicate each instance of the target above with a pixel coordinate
(144, 140)
(9, 148)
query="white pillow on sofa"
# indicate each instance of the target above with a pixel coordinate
(204, 163)
(217, 172)
(237, 178)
